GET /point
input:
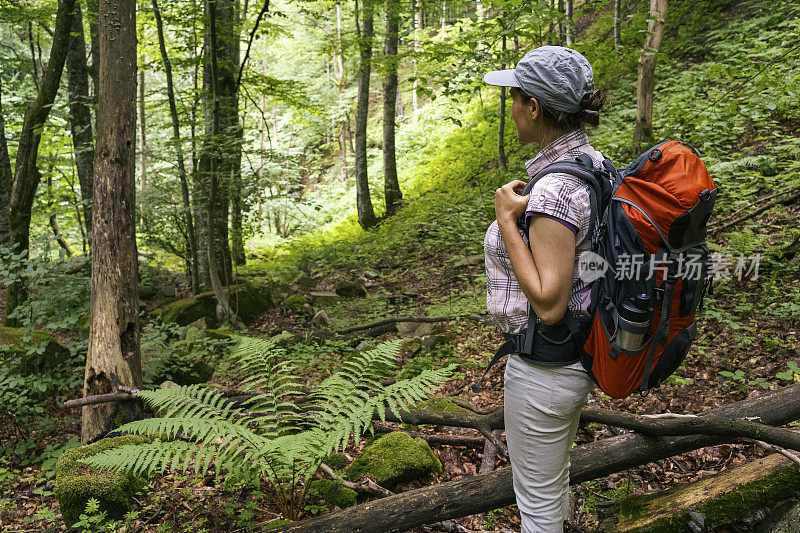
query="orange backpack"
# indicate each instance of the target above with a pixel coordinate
(648, 269)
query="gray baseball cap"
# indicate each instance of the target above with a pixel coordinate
(558, 77)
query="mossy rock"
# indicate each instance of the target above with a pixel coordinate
(251, 299)
(15, 355)
(76, 482)
(187, 310)
(246, 299)
(394, 458)
(333, 492)
(296, 302)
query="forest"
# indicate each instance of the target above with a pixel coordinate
(242, 274)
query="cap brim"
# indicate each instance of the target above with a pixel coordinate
(502, 78)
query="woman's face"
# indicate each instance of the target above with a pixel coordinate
(524, 115)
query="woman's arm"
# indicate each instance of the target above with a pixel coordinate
(544, 272)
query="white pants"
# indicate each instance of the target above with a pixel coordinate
(542, 408)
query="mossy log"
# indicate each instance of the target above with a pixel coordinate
(720, 499)
(483, 493)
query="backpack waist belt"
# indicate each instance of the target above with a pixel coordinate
(550, 351)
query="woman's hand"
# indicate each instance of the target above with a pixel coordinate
(509, 203)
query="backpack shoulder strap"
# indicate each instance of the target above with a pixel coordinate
(582, 167)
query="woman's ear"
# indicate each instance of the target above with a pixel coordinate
(534, 108)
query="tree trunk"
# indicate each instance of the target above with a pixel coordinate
(560, 27)
(176, 137)
(6, 175)
(366, 215)
(215, 162)
(114, 357)
(340, 85)
(392, 193)
(568, 22)
(645, 85)
(502, 160)
(417, 47)
(26, 176)
(236, 241)
(617, 9)
(80, 115)
(57, 235)
(92, 12)
(262, 131)
(142, 141)
(479, 494)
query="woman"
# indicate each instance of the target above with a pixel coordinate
(553, 97)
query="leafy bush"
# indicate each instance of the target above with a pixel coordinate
(58, 289)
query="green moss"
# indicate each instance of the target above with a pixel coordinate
(737, 504)
(333, 492)
(14, 351)
(219, 334)
(250, 299)
(440, 403)
(247, 299)
(187, 310)
(76, 482)
(296, 302)
(393, 458)
(437, 403)
(336, 461)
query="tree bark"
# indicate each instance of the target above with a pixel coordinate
(80, 115)
(26, 176)
(176, 137)
(392, 193)
(568, 22)
(617, 9)
(114, 356)
(6, 175)
(502, 160)
(366, 215)
(339, 70)
(57, 235)
(645, 85)
(589, 461)
(236, 241)
(92, 12)
(215, 162)
(417, 48)
(142, 139)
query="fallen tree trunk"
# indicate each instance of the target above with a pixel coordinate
(483, 493)
(494, 420)
(422, 319)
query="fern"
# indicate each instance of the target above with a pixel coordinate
(198, 428)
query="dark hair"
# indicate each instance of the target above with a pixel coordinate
(589, 114)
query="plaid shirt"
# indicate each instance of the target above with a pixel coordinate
(558, 196)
